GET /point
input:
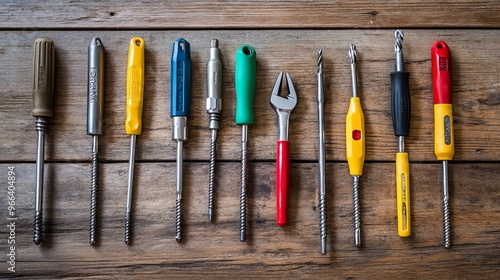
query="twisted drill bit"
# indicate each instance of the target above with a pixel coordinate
(322, 154)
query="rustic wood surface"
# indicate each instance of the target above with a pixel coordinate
(286, 36)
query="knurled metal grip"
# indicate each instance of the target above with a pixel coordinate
(43, 81)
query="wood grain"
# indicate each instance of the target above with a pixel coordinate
(286, 36)
(271, 251)
(243, 14)
(476, 91)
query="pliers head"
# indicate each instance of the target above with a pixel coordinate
(281, 103)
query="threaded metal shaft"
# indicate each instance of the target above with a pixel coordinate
(93, 193)
(211, 177)
(38, 228)
(178, 220)
(356, 213)
(322, 222)
(128, 228)
(243, 193)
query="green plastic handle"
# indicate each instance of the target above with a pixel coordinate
(245, 84)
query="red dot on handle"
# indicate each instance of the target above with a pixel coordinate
(356, 134)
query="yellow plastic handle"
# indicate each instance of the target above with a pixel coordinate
(135, 86)
(403, 194)
(355, 137)
(444, 145)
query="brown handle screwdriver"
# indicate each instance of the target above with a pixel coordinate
(43, 101)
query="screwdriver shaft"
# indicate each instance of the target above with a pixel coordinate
(93, 192)
(128, 216)
(211, 175)
(41, 124)
(243, 193)
(321, 155)
(446, 207)
(357, 214)
(178, 209)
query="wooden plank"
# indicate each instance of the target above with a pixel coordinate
(270, 251)
(475, 83)
(154, 14)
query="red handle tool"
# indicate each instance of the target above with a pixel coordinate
(282, 181)
(441, 74)
(283, 107)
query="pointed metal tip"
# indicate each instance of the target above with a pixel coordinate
(37, 241)
(178, 239)
(127, 241)
(92, 241)
(210, 217)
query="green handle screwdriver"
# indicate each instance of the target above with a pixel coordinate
(245, 93)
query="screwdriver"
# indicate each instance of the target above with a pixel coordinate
(401, 112)
(245, 72)
(95, 112)
(444, 146)
(355, 143)
(133, 123)
(214, 107)
(180, 95)
(43, 102)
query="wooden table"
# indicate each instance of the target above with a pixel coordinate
(286, 36)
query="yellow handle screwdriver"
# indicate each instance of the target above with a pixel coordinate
(355, 144)
(401, 112)
(133, 123)
(444, 146)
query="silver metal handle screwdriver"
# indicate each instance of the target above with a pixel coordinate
(214, 107)
(95, 112)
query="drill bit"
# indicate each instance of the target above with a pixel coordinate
(355, 144)
(133, 123)
(401, 113)
(322, 154)
(43, 102)
(444, 146)
(95, 112)
(214, 107)
(180, 84)
(245, 72)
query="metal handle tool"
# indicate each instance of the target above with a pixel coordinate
(43, 108)
(95, 112)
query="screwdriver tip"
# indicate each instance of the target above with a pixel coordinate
(214, 43)
(352, 53)
(178, 239)
(320, 61)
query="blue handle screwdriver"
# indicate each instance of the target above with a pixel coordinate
(180, 93)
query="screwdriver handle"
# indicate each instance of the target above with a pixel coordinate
(400, 102)
(245, 77)
(355, 137)
(282, 181)
(95, 87)
(180, 82)
(135, 86)
(403, 194)
(444, 146)
(43, 77)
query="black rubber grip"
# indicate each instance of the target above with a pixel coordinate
(400, 102)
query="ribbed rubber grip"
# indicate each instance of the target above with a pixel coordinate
(400, 103)
(43, 77)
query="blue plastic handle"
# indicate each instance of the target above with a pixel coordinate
(180, 79)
